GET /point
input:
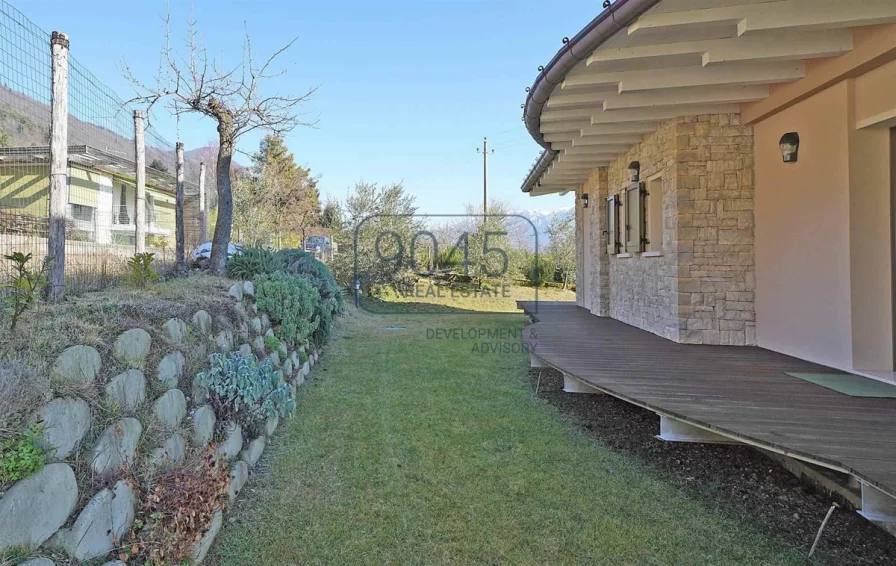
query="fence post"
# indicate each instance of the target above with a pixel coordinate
(203, 227)
(59, 45)
(140, 177)
(179, 212)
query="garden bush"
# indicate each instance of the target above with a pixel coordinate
(297, 262)
(245, 390)
(253, 261)
(292, 302)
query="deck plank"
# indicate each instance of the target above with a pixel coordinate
(741, 391)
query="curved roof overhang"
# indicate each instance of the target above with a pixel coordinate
(641, 62)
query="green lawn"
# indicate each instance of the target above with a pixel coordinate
(413, 450)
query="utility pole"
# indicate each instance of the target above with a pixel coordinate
(484, 177)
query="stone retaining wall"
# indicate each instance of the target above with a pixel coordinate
(43, 510)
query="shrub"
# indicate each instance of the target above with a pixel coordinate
(177, 506)
(20, 457)
(244, 390)
(251, 262)
(271, 343)
(541, 273)
(297, 262)
(292, 302)
(140, 270)
(26, 285)
(303, 357)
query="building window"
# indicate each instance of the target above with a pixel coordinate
(654, 210)
(150, 210)
(634, 217)
(82, 213)
(120, 211)
(613, 240)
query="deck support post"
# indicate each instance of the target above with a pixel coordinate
(674, 430)
(536, 362)
(572, 384)
(877, 506)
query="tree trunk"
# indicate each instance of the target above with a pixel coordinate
(221, 238)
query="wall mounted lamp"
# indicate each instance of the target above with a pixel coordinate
(790, 146)
(634, 171)
(584, 200)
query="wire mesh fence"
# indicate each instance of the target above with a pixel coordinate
(101, 227)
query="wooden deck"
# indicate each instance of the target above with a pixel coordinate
(739, 392)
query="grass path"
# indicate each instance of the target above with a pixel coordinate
(412, 450)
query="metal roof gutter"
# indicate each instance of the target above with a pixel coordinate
(618, 16)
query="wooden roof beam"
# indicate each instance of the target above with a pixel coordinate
(691, 95)
(747, 73)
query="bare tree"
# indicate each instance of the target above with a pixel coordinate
(190, 82)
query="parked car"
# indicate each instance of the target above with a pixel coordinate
(204, 251)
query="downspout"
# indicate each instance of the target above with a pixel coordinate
(617, 16)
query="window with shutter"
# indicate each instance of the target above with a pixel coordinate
(634, 218)
(612, 225)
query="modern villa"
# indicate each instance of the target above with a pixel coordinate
(734, 170)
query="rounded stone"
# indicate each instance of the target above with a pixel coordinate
(203, 322)
(115, 563)
(35, 507)
(171, 452)
(270, 426)
(239, 473)
(255, 325)
(236, 291)
(269, 333)
(171, 368)
(101, 524)
(205, 543)
(64, 424)
(132, 347)
(116, 446)
(240, 309)
(203, 425)
(78, 364)
(233, 441)
(176, 330)
(306, 369)
(127, 390)
(224, 340)
(38, 562)
(294, 358)
(252, 452)
(258, 344)
(265, 321)
(275, 359)
(287, 367)
(248, 289)
(170, 408)
(246, 350)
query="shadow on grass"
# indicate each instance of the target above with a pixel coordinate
(379, 306)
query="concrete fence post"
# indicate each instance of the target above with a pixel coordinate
(59, 46)
(140, 177)
(181, 265)
(203, 222)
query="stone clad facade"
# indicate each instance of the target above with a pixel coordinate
(700, 288)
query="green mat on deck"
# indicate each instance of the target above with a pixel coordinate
(849, 384)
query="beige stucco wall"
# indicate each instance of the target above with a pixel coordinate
(823, 241)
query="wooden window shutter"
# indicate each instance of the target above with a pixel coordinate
(612, 226)
(634, 219)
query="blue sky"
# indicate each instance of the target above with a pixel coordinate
(406, 90)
